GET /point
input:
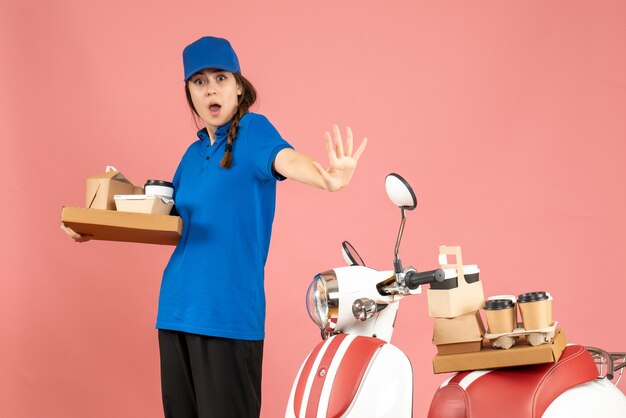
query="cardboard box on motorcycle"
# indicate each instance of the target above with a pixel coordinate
(462, 334)
(461, 292)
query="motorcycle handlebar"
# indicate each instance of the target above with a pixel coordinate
(413, 279)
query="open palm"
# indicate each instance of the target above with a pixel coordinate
(342, 161)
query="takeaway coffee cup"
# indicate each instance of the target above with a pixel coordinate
(159, 188)
(501, 315)
(536, 310)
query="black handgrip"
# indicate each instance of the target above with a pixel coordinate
(413, 279)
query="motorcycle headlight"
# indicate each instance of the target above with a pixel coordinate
(322, 300)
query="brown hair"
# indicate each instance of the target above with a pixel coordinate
(246, 99)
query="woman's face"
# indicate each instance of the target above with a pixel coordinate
(215, 96)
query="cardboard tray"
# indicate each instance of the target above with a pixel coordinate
(111, 225)
(533, 336)
(492, 358)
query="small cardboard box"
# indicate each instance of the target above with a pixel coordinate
(110, 225)
(463, 334)
(467, 297)
(141, 203)
(520, 354)
(101, 188)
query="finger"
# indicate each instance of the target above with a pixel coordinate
(75, 235)
(69, 231)
(349, 143)
(332, 155)
(84, 238)
(339, 142)
(360, 150)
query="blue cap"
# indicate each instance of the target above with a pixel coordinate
(209, 52)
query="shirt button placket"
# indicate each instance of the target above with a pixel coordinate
(207, 155)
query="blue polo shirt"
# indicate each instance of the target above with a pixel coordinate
(213, 283)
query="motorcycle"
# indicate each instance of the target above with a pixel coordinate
(355, 371)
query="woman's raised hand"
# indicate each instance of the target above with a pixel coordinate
(342, 160)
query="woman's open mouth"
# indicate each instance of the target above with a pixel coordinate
(215, 109)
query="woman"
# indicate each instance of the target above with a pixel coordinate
(212, 303)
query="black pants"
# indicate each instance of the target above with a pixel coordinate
(207, 377)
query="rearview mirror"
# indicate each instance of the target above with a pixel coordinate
(399, 192)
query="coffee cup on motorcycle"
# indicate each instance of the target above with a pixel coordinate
(536, 310)
(501, 315)
(513, 299)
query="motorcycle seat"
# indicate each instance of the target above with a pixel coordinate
(514, 392)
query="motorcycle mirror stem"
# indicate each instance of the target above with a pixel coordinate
(397, 263)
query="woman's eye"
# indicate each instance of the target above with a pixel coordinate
(221, 77)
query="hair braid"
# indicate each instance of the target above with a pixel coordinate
(232, 133)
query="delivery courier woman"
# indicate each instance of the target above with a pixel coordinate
(211, 345)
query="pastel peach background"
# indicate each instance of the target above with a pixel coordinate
(508, 118)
